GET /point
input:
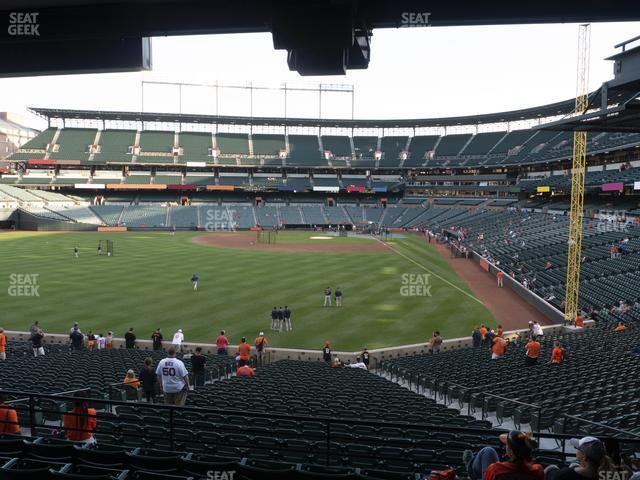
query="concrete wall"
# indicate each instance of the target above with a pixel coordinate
(27, 221)
(309, 355)
(544, 307)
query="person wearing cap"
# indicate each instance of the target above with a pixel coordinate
(261, 348)
(178, 338)
(485, 465)
(198, 367)
(130, 339)
(244, 351)
(365, 357)
(591, 458)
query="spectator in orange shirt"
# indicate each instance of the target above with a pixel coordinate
(485, 465)
(244, 350)
(245, 371)
(80, 422)
(498, 348)
(500, 277)
(579, 321)
(3, 345)
(533, 352)
(557, 354)
(8, 418)
(483, 333)
(131, 380)
(620, 327)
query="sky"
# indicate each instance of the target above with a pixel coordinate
(414, 73)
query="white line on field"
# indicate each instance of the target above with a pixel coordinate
(430, 271)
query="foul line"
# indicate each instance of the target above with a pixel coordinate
(431, 272)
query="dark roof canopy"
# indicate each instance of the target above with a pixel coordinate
(560, 108)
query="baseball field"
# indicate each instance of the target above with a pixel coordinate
(394, 293)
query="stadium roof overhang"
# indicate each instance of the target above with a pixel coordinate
(321, 36)
(615, 106)
(555, 109)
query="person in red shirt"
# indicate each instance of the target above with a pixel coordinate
(620, 327)
(8, 418)
(557, 354)
(485, 465)
(3, 345)
(80, 422)
(579, 321)
(245, 371)
(244, 350)
(533, 352)
(500, 277)
(221, 343)
(498, 348)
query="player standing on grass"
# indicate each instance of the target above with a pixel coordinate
(327, 297)
(194, 281)
(280, 324)
(274, 318)
(338, 297)
(76, 252)
(287, 319)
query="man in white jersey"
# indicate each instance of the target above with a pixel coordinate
(173, 379)
(178, 338)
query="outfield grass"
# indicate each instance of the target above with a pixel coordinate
(147, 285)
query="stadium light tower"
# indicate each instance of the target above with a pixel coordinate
(576, 212)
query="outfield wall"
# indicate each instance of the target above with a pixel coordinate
(276, 354)
(28, 221)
